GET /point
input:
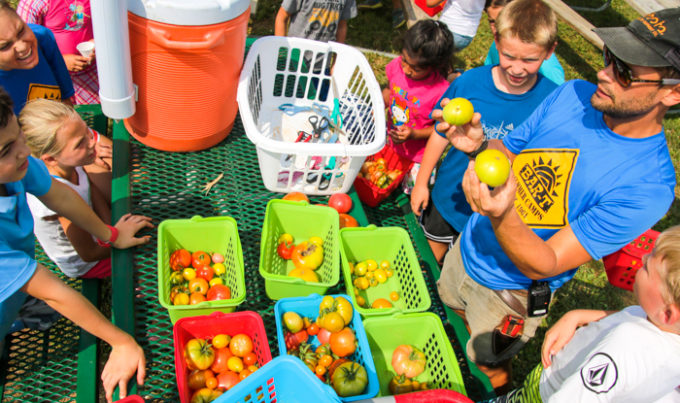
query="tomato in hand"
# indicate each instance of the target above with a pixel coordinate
(180, 259)
(218, 292)
(200, 259)
(340, 202)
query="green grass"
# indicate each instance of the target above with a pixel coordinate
(581, 60)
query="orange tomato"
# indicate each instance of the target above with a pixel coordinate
(211, 383)
(343, 343)
(296, 196)
(196, 298)
(250, 359)
(347, 220)
(394, 295)
(240, 345)
(326, 360)
(244, 374)
(381, 303)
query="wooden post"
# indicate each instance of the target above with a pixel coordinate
(574, 19)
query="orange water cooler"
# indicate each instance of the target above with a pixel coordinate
(186, 59)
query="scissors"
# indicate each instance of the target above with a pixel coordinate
(319, 125)
(320, 109)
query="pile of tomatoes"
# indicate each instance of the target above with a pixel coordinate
(197, 277)
(307, 256)
(218, 364)
(377, 173)
(408, 362)
(330, 360)
(368, 273)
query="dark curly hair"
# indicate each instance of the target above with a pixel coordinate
(6, 108)
(430, 44)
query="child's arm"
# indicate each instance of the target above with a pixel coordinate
(341, 33)
(386, 95)
(563, 330)
(281, 22)
(126, 355)
(82, 242)
(421, 192)
(67, 203)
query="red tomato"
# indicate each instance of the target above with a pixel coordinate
(285, 250)
(250, 359)
(240, 345)
(180, 259)
(343, 343)
(206, 272)
(222, 355)
(341, 202)
(198, 285)
(218, 292)
(200, 259)
(227, 380)
(347, 220)
(324, 336)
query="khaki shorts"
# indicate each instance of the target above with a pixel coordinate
(484, 310)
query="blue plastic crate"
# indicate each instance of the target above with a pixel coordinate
(283, 379)
(309, 307)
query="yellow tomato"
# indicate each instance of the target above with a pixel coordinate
(360, 269)
(370, 275)
(305, 274)
(316, 240)
(219, 269)
(221, 341)
(332, 322)
(215, 280)
(371, 264)
(389, 273)
(351, 268)
(235, 364)
(361, 283)
(181, 299)
(384, 264)
(394, 295)
(189, 274)
(361, 301)
(373, 282)
(381, 275)
(253, 368)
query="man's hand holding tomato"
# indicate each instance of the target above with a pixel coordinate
(466, 138)
(492, 203)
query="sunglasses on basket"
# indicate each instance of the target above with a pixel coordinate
(624, 75)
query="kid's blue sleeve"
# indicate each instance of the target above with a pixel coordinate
(37, 180)
(16, 268)
(54, 58)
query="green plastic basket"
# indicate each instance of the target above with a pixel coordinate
(210, 234)
(394, 245)
(422, 330)
(302, 221)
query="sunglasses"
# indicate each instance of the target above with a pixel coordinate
(624, 75)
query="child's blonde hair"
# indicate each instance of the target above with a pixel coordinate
(40, 120)
(667, 247)
(532, 21)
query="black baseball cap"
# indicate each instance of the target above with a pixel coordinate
(652, 40)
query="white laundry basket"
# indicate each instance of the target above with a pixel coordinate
(309, 75)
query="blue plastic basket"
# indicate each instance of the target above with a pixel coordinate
(309, 307)
(283, 379)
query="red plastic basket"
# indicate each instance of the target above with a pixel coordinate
(131, 399)
(622, 265)
(431, 11)
(206, 327)
(370, 194)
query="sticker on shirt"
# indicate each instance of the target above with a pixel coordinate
(77, 18)
(543, 180)
(497, 132)
(400, 112)
(599, 374)
(323, 20)
(36, 91)
(403, 106)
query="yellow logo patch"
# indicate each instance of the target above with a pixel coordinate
(36, 91)
(543, 180)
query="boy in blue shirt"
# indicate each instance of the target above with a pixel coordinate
(591, 171)
(22, 275)
(505, 95)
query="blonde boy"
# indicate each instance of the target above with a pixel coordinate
(632, 355)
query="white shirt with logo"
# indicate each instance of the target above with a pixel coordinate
(621, 358)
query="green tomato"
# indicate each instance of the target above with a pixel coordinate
(458, 111)
(492, 167)
(349, 379)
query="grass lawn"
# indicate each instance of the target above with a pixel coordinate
(581, 60)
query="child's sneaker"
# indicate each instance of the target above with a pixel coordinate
(398, 19)
(370, 4)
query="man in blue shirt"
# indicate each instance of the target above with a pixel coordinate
(591, 172)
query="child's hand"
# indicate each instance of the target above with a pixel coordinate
(468, 137)
(103, 151)
(491, 203)
(400, 134)
(123, 361)
(557, 337)
(127, 227)
(76, 63)
(420, 195)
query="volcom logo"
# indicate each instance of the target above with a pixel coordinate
(599, 374)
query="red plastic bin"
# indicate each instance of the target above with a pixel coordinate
(431, 11)
(622, 265)
(425, 396)
(370, 194)
(131, 399)
(208, 326)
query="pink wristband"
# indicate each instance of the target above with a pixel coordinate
(112, 239)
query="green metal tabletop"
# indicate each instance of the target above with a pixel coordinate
(165, 185)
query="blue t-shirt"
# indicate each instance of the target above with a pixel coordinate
(571, 169)
(17, 242)
(501, 113)
(48, 79)
(551, 68)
